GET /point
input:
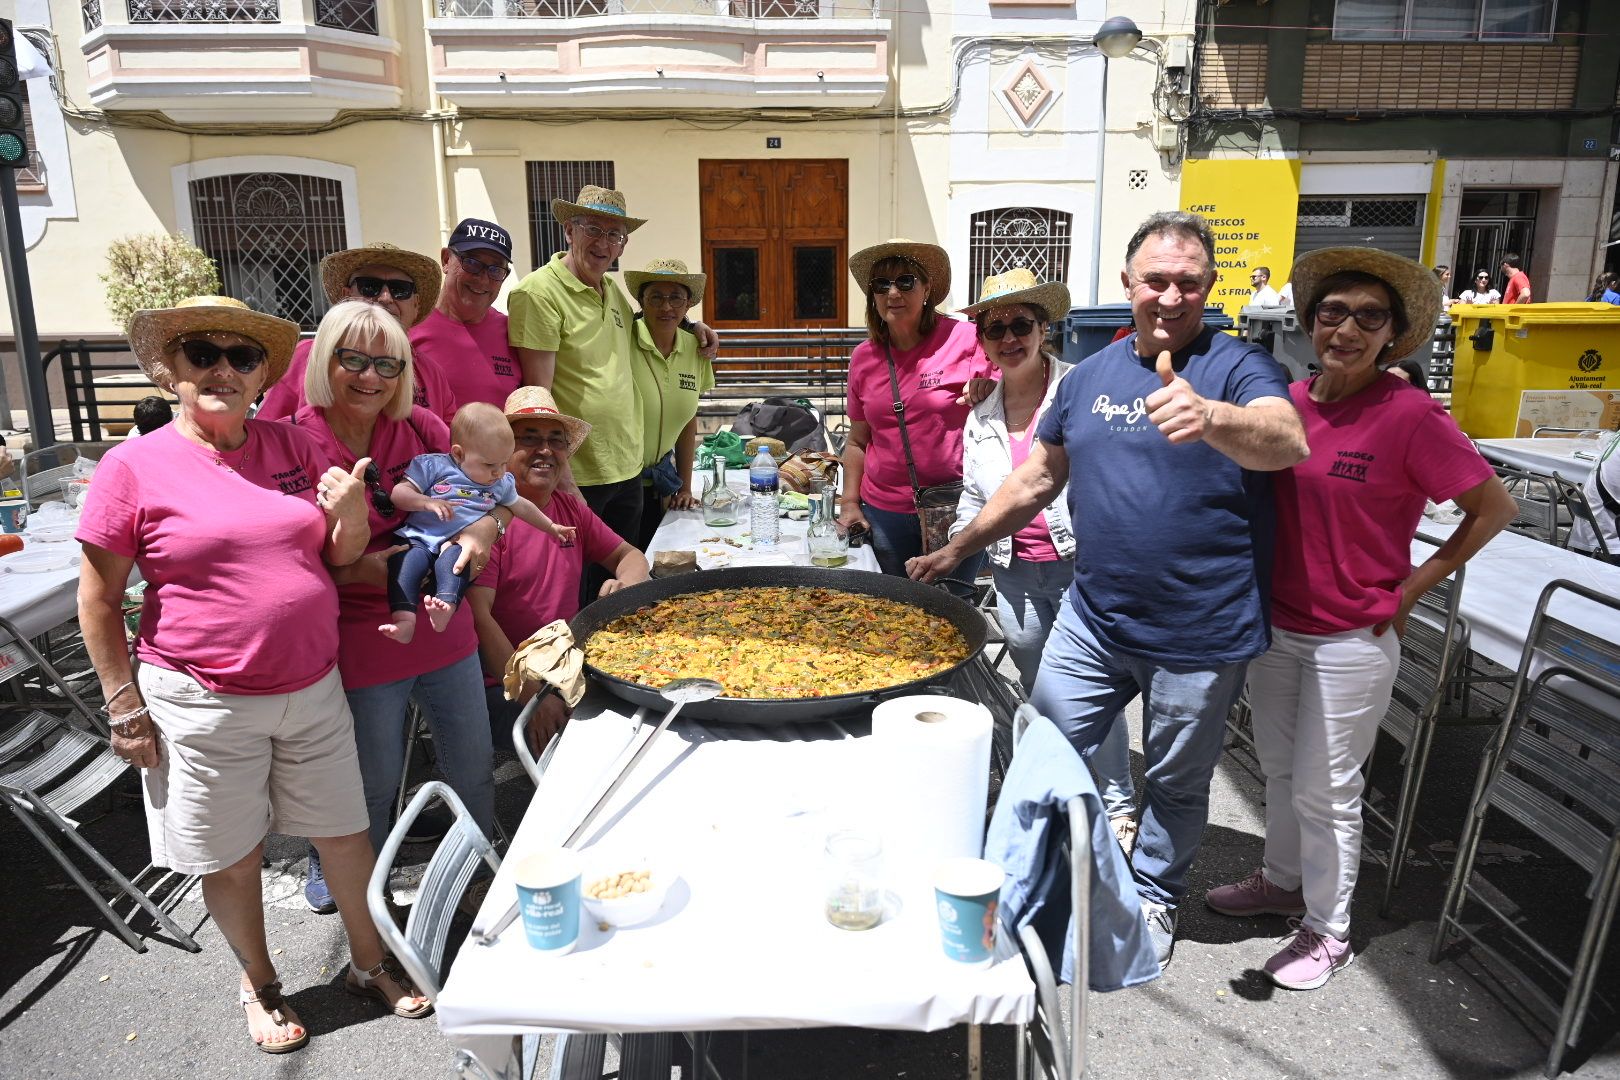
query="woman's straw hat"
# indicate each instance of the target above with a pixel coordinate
(665, 270)
(596, 200)
(338, 267)
(1020, 286)
(930, 258)
(536, 403)
(1412, 281)
(153, 330)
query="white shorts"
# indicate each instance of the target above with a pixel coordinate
(234, 767)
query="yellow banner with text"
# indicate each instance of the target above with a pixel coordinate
(1252, 207)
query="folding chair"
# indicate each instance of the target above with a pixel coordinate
(19, 655)
(1537, 500)
(1574, 499)
(43, 471)
(416, 736)
(536, 767)
(53, 769)
(1551, 767)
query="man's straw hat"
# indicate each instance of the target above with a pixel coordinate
(536, 403)
(596, 200)
(338, 267)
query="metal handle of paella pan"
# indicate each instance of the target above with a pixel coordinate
(677, 693)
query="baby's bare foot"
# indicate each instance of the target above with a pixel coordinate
(402, 626)
(438, 612)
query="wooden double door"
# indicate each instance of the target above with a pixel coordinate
(775, 243)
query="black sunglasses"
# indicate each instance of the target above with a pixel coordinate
(356, 361)
(881, 285)
(484, 269)
(998, 330)
(379, 498)
(372, 287)
(203, 355)
(1333, 313)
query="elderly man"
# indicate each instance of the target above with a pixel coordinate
(1164, 439)
(530, 579)
(573, 330)
(402, 283)
(464, 336)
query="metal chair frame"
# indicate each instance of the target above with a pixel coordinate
(1580, 816)
(1538, 513)
(1580, 509)
(19, 655)
(43, 484)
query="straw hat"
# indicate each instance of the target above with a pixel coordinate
(1020, 286)
(596, 200)
(665, 270)
(1412, 281)
(152, 330)
(338, 267)
(536, 403)
(931, 258)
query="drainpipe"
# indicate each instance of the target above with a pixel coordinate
(894, 146)
(441, 161)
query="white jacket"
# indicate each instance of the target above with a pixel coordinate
(987, 461)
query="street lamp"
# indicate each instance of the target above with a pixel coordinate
(1115, 38)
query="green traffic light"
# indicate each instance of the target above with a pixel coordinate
(11, 148)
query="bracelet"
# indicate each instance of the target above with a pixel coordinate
(125, 727)
(500, 529)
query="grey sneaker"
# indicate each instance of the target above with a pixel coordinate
(1161, 927)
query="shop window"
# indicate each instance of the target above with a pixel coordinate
(1443, 20)
(558, 180)
(1027, 236)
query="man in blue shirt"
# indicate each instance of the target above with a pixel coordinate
(1164, 440)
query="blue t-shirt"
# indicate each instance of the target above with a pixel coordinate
(1172, 543)
(1611, 297)
(439, 477)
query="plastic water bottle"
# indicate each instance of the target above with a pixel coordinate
(762, 484)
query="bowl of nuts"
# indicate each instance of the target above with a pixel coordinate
(623, 891)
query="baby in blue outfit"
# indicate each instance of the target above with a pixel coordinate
(445, 493)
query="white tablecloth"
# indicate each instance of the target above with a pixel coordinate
(1570, 458)
(683, 530)
(742, 942)
(36, 603)
(1502, 584)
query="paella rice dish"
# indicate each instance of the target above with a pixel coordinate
(778, 642)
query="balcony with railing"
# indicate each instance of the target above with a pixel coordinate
(682, 53)
(249, 61)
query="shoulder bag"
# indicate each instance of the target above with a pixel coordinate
(936, 504)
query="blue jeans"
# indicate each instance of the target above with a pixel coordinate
(409, 569)
(1082, 688)
(897, 537)
(453, 700)
(1029, 596)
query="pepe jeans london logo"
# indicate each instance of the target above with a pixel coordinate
(1590, 360)
(1130, 415)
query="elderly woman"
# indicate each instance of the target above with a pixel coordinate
(237, 716)
(1343, 585)
(917, 359)
(671, 375)
(531, 580)
(1034, 568)
(359, 391)
(402, 283)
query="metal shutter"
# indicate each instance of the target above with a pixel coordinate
(1391, 222)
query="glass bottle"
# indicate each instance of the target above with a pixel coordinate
(828, 547)
(720, 503)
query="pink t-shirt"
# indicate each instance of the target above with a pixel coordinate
(1346, 515)
(287, 396)
(237, 594)
(931, 377)
(366, 657)
(474, 357)
(1032, 543)
(536, 580)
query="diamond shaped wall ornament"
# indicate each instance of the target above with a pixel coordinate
(1027, 92)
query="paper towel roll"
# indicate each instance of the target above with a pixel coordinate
(930, 760)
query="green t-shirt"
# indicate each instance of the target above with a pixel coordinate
(551, 310)
(669, 388)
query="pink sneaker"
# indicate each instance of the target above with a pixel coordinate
(1254, 895)
(1309, 960)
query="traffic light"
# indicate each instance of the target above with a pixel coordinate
(13, 138)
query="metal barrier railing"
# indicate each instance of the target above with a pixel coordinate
(80, 364)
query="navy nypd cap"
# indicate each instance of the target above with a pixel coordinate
(475, 233)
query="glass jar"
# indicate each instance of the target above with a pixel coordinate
(828, 546)
(720, 504)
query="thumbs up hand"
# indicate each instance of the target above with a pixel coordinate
(1176, 409)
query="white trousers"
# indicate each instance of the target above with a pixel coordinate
(1317, 701)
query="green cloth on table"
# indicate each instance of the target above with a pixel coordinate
(726, 444)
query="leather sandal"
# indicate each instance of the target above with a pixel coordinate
(268, 997)
(364, 984)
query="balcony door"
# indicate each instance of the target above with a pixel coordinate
(775, 242)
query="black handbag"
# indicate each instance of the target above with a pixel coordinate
(936, 504)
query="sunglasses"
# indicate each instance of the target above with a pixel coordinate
(881, 285)
(372, 287)
(203, 355)
(484, 269)
(998, 330)
(356, 361)
(1369, 319)
(379, 498)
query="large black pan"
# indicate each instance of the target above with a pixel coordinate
(775, 712)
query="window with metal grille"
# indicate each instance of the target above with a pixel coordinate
(521, 9)
(1028, 236)
(1443, 20)
(91, 10)
(32, 177)
(776, 9)
(1391, 222)
(204, 11)
(359, 16)
(558, 180)
(268, 233)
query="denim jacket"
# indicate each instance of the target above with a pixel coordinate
(1030, 822)
(987, 461)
